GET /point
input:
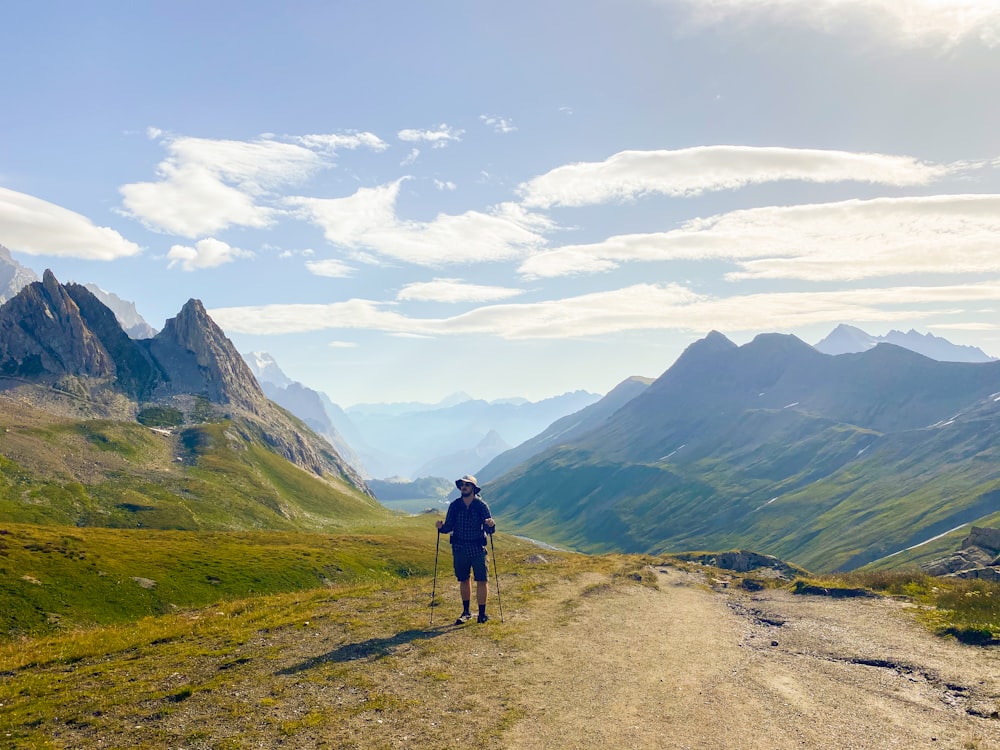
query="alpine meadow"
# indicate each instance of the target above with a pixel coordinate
(517, 376)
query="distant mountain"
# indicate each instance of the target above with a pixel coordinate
(64, 353)
(129, 318)
(410, 440)
(845, 339)
(827, 461)
(458, 464)
(13, 276)
(567, 428)
(266, 370)
(308, 405)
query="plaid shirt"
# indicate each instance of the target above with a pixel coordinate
(465, 523)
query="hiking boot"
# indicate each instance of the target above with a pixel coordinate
(463, 618)
(483, 618)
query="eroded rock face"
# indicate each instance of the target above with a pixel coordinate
(985, 538)
(964, 559)
(977, 558)
(197, 357)
(43, 332)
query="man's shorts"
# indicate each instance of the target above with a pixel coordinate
(466, 558)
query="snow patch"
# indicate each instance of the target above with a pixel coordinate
(765, 504)
(926, 541)
(664, 458)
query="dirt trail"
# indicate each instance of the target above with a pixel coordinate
(681, 667)
(587, 658)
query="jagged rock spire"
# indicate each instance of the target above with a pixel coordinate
(42, 331)
(227, 377)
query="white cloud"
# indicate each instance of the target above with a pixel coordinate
(499, 124)
(847, 240)
(346, 221)
(638, 307)
(330, 267)
(445, 185)
(282, 319)
(367, 222)
(438, 137)
(454, 290)
(207, 185)
(965, 326)
(908, 22)
(207, 253)
(342, 344)
(36, 227)
(410, 158)
(692, 171)
(338, 141)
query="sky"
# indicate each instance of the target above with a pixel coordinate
(398, 201)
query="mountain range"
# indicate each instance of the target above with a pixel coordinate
(416, 440)
(845, 339)
(832, 461)
(829, 461)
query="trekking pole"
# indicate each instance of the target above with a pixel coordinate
(496, 576)
(434, 588)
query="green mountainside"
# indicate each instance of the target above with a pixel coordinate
(828, 462)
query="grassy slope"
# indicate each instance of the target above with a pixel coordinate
(105, 521)
(125, 475)
(842, 497)
(54, 578)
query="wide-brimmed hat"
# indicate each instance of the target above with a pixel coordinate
(470, 479)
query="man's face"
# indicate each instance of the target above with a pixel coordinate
(467, 488)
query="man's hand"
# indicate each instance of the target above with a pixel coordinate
(490, 522)
(439, 524)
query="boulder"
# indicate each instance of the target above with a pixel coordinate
(986, 538)
(965, 559)
(985, 573)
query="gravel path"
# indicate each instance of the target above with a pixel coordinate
(681, 667)
(587, 657)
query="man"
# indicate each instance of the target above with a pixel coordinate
(468, 521)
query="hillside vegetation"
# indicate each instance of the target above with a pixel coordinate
(832, 463)
(207, 476)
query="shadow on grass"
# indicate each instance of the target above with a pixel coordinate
(372, 648)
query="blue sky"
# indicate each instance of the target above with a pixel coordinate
(399, 200)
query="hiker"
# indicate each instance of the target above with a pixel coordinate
(468, 521)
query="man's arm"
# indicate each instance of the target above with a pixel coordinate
(448, 524)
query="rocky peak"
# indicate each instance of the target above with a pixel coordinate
(42, 332)
(193, 349)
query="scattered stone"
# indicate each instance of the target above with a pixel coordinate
(146, 583)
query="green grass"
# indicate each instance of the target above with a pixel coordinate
(124, 475)
(57, 578)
